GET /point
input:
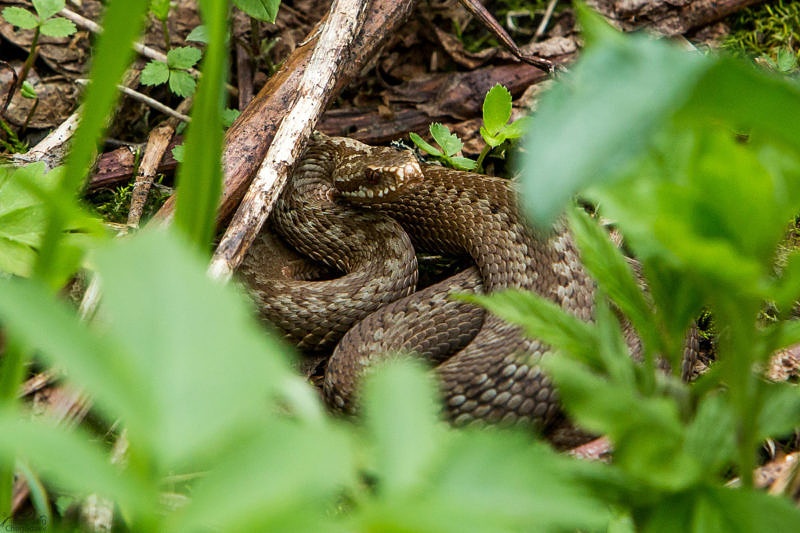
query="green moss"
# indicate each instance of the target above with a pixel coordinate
(764, 30)
(113, 204)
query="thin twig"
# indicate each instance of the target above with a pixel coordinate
(545, 20)
(155, 104)
(318, 80)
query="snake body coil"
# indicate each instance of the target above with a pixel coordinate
(487, 369)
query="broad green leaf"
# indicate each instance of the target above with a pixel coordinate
(202, 362)
(198, 34)
(58, 27)
(646, 431)
(181, 83)
(22, 18)
(47, 8)
(53, 329)
(781, 411)
(725, 510)
(518, 128)
(542, 319)
(265, 10)
(613, 273)
(183, 57)
(400, 409)
(160, 8)
(24, 196)
(285, 476)
(463, 163)
(200, 176)
(154, 73)
(787, 59)
(710, 435)
(177, 153)
(490, 481)
(496, 109)
(229, 116)
(423, 144)
(70, 459)
(449, 142)
(591, 125)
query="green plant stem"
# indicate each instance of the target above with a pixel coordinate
(165, 29)
(11, 373)
(30, 115)
(34, 52)
(481, 157)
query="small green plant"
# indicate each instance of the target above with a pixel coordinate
(764, 29)
(44, 22)
(785, 62)
(450, 145)
(160, 9)
(265, 10)
(495, 131)
(179, 60)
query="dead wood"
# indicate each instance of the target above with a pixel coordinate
(667, 17)
(247, 140)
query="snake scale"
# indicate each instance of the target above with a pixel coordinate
(365, 211)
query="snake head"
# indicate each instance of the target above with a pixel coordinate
(381, 176)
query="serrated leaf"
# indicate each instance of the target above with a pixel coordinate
(47, 8)
(177, 153)
(181, 83)
(198, 34)
(22, 18)
(496, 109)
(449, 142)
(183, 57)
(491, 140)
(423, 144)
(58, 27)
(463, 163)
(154, 73)
(229, 116)
(265, 10)
(787, 60)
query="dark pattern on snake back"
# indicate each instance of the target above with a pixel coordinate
(487, 369)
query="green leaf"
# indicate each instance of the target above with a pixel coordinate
(265, 10)
(518, 128)
(27, 90)
(25, 194)
(449, 142)
(69, 458)
(22, 18)
(710, 435)
(781, 411)
(400, 408)
(58, 27)
(612, 271)
(787, 60)
(423, 144)
(198, 34)
(200, 177)
(541, 319)
(47, 8)
(496, 109)
(463, 163)
(195, 398)
(160, 8)
(154, 73)
(229, 116)
(279, 479)
(725, 510)
(181, 83)
(177, 153)
(183, 57)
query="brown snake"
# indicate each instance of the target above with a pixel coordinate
(486, 368)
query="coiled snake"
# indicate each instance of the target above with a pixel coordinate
(364, 211)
